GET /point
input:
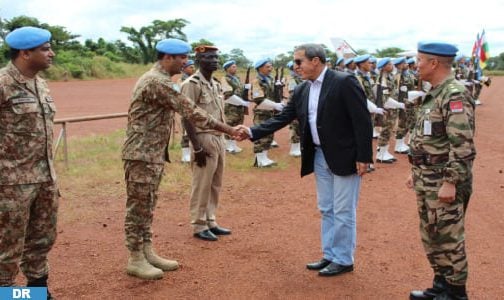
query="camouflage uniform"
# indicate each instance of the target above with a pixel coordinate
(406, 116)
(294, 81)
(367, 85)
(446, 154)
(207, 180)
(263, 87)
(155, 100)
(28, 190)
(235, 114)
(390, 118)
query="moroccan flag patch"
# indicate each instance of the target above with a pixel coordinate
(456, 106)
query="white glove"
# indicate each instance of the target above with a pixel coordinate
(247, 86)
(403, 88)
(373, 108)
(412, 95)
(278, 106)
(393, 104)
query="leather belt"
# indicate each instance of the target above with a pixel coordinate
(426, 159)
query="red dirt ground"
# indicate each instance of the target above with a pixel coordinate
(275, 225)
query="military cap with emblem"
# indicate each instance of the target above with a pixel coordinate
(261, 63)
(27, 37)
(384, 61)
(438, 48)
(228, 64)
(362, 58)
(399, 60)
(173, 46)
(205, 48)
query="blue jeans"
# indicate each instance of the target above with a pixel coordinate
(337, 198)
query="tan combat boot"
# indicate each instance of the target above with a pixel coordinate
(138, 266)
(159, 262)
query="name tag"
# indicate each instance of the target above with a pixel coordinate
(427, 127)
(23, 100)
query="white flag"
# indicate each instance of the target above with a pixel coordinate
(341, 47)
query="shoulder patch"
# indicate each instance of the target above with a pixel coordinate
(456, 106)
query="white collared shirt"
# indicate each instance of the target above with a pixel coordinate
(313, 100)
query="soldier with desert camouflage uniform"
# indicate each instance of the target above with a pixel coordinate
(28, 189)
(404, 84)
(235, 114)
(442, 153)
(155, 100)
(187, 70)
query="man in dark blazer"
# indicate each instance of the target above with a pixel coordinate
(336, 144)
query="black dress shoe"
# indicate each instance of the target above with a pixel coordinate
(334, 269)
(220, 230)
(318, 265)
(206, 235)
(438, 287)
(386, 161)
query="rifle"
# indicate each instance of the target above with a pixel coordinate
(402, 94)
(245, 92)
(379, 91)
(278, 90)
(470, 76)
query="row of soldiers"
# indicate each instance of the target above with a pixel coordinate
(386, 83)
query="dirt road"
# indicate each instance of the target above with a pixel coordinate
(275, 225)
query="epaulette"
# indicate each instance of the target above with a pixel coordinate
(194, 79)
(216, 80)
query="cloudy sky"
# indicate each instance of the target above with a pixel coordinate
(265, 28)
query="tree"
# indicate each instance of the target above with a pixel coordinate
(146, 37)
(388, 52)
(201, 42)
(240, 59)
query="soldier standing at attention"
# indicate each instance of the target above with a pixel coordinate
(155, 100)
(263, 88)
(442, 153)
(363, 63)
(294, 80)
(28, 189)
(235, 114)
(187, 70)
(403, 84)
(208, 146)
(386, 80)
(350, 65)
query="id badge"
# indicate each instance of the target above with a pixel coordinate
(427, 127)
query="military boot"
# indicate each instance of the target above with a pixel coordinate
(295, 150)
(453, 292)
(139, 267)
(438, 287)
(40, 282)
(158, 262)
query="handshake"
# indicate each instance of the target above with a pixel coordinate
(240, 133)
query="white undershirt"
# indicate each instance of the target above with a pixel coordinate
(313, 100)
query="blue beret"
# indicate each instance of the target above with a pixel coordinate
(411, 60)
(383, 62)
(437, 48)
(361, 58)
(399, 60)
(27, 37)
(290, 64)
(228, 64)
(261, 63)
(173, 46)
(190, 62)
(372, 59)
(339, 60)
(328, 59)
(349, 60)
